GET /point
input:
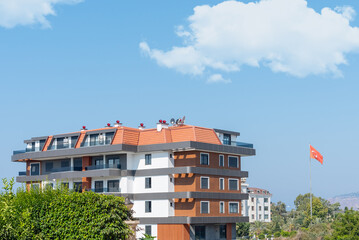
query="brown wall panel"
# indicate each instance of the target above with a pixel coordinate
(173, 232)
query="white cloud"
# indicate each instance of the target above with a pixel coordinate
(284, 35)
(217, 78)
(28, 12)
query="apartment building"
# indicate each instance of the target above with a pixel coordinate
(258, 205)
(184, 181)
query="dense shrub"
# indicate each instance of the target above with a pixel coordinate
(61, 214)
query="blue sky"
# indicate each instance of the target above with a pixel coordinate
(85, 66)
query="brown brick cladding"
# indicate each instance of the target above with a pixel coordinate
(192, 158)
(192, 182)
(193, 208)
(184, 183)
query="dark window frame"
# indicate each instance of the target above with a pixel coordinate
(207, 178)
(148, 206)
(148, 159)
(148, 182)
(204, 161)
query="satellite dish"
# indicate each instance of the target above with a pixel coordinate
(184, 117)
(177, 121)
(173, 121)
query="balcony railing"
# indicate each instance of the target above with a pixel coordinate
(18, 152)
(103, 166)
(104, 190)
(64, 169)
(237, 144)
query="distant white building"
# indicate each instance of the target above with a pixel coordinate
(257, 207)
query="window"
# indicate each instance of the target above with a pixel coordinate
(66, 142)
(113, 185)
(78, 186)
(233, 207)
(97, 161)
(221, 160)
(252, 199)
(148, 159)
(60, 143)
(204, 159)
(233, 162)
(35, 169)
(171, 156)
(65, 163)
(94, 139)
(204, 182)
(148, 182)
(74, 141)
(98, 186)
(265, 208)
(49, 186)
(200, 232)
(65, 185)
(252, 216)
(205, 207)
(233, 184)
(252, 208)
(77, 164)
(260, 216)
(222, 232)
(265, 199)
(30, 147)
(265, 216)
(113, 161)
(49, 166)
(148, 229)
(260, 208)
(171, 204)
(227, 139)
(221, 184)
(42, 144)
(148, 206)
(109, 137)
(221, 207)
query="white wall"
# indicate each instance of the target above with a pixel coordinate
(159, 160)
(160, 208)
(159, 184)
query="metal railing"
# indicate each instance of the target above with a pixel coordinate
(64, 169)
(104, 190)
(103, 166)
(18, 152)
(237, 144)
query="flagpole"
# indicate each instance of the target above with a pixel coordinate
(310, 183)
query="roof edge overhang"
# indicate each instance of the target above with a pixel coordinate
(176, 147)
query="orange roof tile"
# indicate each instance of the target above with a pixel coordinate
(134, 136)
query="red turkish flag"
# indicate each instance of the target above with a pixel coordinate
(315, 154)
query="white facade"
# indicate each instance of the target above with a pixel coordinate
(257, 207)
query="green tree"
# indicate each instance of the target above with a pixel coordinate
(243, 229)
(61, 214)
(346, 226)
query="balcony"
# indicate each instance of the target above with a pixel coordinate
(18, 152)
(103, 166)
(237, 144)
(63, 169)
(105, 190)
